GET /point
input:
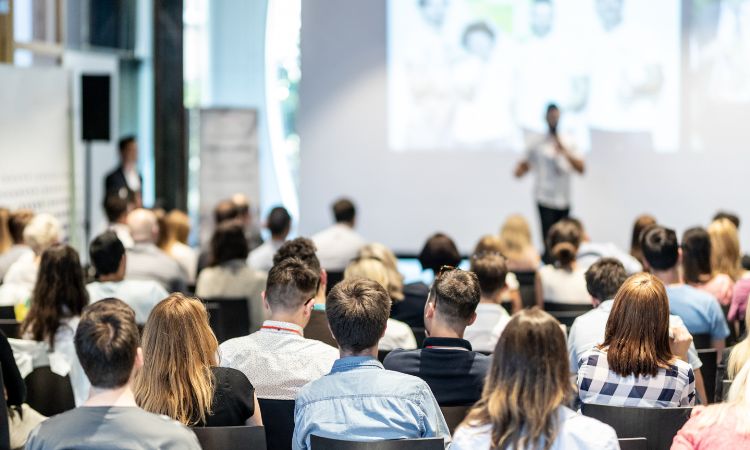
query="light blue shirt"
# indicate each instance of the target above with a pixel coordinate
(699, 310)
(361, 401)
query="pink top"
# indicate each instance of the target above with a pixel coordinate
(718, 436)
(720, 286)
(739, 300)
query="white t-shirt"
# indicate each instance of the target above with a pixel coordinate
(552, 172)
(564, 286)
(141, 295)
(485, 331)
(337, 246)
(397, 335)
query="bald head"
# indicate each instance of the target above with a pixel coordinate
(143, 225)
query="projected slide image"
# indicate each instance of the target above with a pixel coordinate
(478, 74)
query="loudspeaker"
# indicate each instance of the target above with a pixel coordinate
(95, 107)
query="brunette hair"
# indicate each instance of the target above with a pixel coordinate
(290, 284)
(641, 223)
(604, 278)
(563, 240)
(439, 251)
(358, 311)
(696, 255)
(228, 243)
(491, 271)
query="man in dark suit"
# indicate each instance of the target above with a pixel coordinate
(125, 181)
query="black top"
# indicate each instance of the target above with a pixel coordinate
(234, 399)
(14, 384)
(116, 183)
(453, 371)
(410, 310)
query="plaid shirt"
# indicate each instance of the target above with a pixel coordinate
(674, 386)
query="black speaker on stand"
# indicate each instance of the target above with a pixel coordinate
(95, 126)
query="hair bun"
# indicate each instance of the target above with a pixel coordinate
(564, 253)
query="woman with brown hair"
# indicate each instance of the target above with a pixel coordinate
(564, 281)
(642, 362)
(180, 377)
(524, 400)
(176, 230)
(641, 223)
(697, 269)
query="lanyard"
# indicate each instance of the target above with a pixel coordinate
(290, 330)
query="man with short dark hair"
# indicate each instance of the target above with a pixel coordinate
(124, 181)
(278, 359)
(109, 260)
(491, 271)
(117, 208)
(279, 223)
(107, 345)
(359, 400)
(446, 362)
(339, 244)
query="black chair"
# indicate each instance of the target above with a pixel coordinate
(709, 369)
(564, 313)
(527, 288)
(419, 335)
(725, 386)
(321, 443)
(278, 421)
(7, 312)
(317, 328)
(48, 392)
(633, 443)
(454, 415)
(10, 327)
(382, 354)
(229, 317)
(702, 341)
(220, 438)
(334, 278)
(657, 425)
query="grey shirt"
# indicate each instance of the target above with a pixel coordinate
(148, 262)
(111, 427)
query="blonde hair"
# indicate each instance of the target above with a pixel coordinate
(515, 236)
(176, 229)
(740, 354)
(489, 243)
(368, 268)
(5, 239)
(736, 406)
(179, 350)
(382, 253)
(725, 248)
(42, 233)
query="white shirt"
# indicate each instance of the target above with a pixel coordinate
(132, 178)
(552, 172)
(564, 286)
(591, 252)
(141, 295)
(337, 246)
(262, 257)
(278, 360)
(485, 331)
(187, 258)
(19, 281)
(123, 234)
(397, 335)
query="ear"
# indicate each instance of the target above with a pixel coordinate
(123, 263)
(429, 310)
(308, 307)
(472, 320)
(266, 306)
(323, 278)
(138, 359)
(595, 301)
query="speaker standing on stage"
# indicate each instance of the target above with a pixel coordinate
(552, 159)
(125, 181)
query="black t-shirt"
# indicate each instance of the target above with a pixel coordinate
(234, 399)
(410, 310)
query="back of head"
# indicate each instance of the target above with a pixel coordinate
(515, 235)
(178, 226)
(106, 252)
(641, 223)
(143, 225)
(344, 211)
(439, 251)
(489, 244)
(225, 210)
(369, 268)
(180, 350)
(241, 204)
(124, 142)
(725, 248)
(17, 223)
(279, 222)
(382, 253)
(491, 271)
(358, 310)
(637, 333)
(456, 295)
(604, 278)
(228, 243)
(302, 248)
(660, 247)
(527, 382)
(732, 217)
(563, 240)
(696, 254)
(115, 207)
(291, 283)
(42, 232)
(107, 342)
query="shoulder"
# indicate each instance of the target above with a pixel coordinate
(396, 359)
(394, 326)
(472, 437)
(322, 348)
(231, 377)
(233, 346)
(593, 357)
(684, 369)
(586, 432)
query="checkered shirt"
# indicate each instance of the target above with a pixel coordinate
(597, 384)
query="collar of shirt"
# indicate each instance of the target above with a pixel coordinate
(349, 363)
(444, 343)
(606, 306)
(273, 326)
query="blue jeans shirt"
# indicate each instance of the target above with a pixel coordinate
(361, 401)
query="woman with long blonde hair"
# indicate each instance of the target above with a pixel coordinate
(180, 377)
(725, 248)
(515, 236)
(740, 354)
(523, 404)
(176, 229)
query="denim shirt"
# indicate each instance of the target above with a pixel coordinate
(361, 401)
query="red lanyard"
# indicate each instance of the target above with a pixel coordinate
(271, 327)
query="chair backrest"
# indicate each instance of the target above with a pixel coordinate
(229, 317)
(317, 328)
(702, 341)
(551, 307)
(278, 420)
(725, 386)
(10, 327)
(382, 354)
(219, 438)
(321, 443)
(48, 392)
(657, 425)
(633, 443)
(419, 335)
(334, 278)
(454, 415)
(527, 288)
(709, 369)
(7, 312)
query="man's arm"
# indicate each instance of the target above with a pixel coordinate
(522, 168)
(574, 161)
(434, 422)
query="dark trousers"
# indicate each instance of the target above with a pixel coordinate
(549, 217)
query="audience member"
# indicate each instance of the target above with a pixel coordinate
(736, 222)
(279, 223)
(511, 414)
(564, 281)
(224, 211)
(380, 252)
(17, 221)
(359, 399)
(699, 310)
(446, 362)
(726, 256)
(641, 223)
(696, 266)
(244, 213)
(339, 244)
(109, 261)
(492, 318)
(21, 417)
(125, 181)
(278, 359)
(739, 355)
(146, 261)
(590, 252)
(177, 230)
(515, 236)
(740, 296)
(639, 363)
(229, 276)
(107, 344)
(397, 333)
(5, 240)
(490, 243)
(117, 209)
(182, 378)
